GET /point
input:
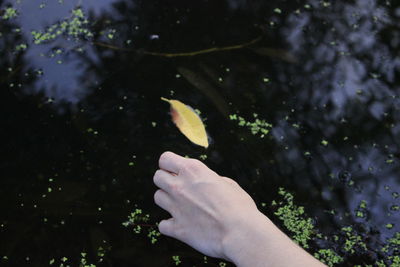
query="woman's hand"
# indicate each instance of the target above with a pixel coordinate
(214, 215)
(205, 207)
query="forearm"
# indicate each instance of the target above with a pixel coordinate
(262, 244)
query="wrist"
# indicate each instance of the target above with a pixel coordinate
(247, 236)
(257, 242)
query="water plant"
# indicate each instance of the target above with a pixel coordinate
(9, 13)
(257, 127)
(338, 247)
(75, 26)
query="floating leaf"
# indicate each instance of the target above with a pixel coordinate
(188, 122)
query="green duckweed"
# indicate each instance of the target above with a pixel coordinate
(328, 256)
(75, 26)
(294, 220)
(257, 127)
(176, 259)
(9, 13)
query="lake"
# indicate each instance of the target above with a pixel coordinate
(301, 102)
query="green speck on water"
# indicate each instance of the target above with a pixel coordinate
(21, 47)
(325, 4)
(101, 252)
(153, 234)
(395, 208)
(9, 13)
(176, 260)
(278, 11)
(51, 261)
(363, 204)
(389, 225)
(203, 157)
(324, 143)
(233, 117)
(360, 214)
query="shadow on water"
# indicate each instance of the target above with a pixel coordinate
(83, 124)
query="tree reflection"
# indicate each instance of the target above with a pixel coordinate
(325, 75)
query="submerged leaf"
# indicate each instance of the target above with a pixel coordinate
(188, 122)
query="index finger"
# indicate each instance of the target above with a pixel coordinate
(171, 162)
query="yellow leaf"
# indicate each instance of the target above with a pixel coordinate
(188, 122)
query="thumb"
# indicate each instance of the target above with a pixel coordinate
(167, 227)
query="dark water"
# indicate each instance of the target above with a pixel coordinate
(82, 123)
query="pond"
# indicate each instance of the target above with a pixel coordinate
(301, 102)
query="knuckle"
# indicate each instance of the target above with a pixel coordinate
(229, 180)
(233, 182)
(192, 165)
(176, 189)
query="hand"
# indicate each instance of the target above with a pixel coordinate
(214, 215)
(205, 207)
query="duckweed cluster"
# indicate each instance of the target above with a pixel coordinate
(135, 218)
(361, 210)
(176, 260)
(138, 220)
(9, 13)
(392, 247)
(257, 127)
(64, 262)
(353, 240)
(328, 256)
(83, 261)
(338, 247)
(75, 26)
(21, 47)
(294, 220)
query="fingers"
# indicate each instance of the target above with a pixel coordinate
(166, 227)
(171, 162)
(163, 200)
(164, 180)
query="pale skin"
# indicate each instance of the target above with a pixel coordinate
(215, 216)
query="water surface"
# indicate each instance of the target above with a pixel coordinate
(82, 123)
